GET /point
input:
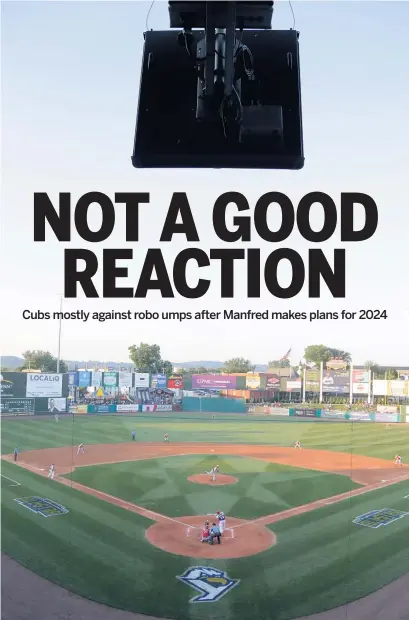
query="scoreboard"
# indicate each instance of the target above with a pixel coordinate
(15, 406)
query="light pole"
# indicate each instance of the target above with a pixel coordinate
(59, 337)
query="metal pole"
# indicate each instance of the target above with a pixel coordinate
(59, 337)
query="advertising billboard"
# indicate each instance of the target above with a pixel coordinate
(397, 388)
(73, 379)
(387, 417)
(110, 379)
(293, 385)
(96, 378)
(336, 381)
(13, 384)
(213, 382)
(43, 385)
(360, 388)
(57, 405)
(273, 382)
(379, 387)
(84, 378)
(333, 414)
(360, 416)
(304, 413)
(312, 380)
(141, 380)
(387, 408)
(253, 381)
(125, 379)
(158, 381)
(175, 382)
(360, 376)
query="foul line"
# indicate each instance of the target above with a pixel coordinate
(16, 484)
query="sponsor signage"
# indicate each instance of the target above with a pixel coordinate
(403, 374)
(360, 388)
(17, 405)
(13, 384)
(73, 379)
(359, 416)
(336, 415)
(175, 383)
(128, 408)
(336, 364)
(253, 381)
(214, 382)
(312, 380)
(397, 388)
(102, 408)
(278, 411)
(141, 380)
(387, 408)
(43, 385)
(273, 382)
(110, 379)
(84, 378)
(305, 413)
(387, 417)
(158, 381)
(379, 387)
(294, 386)
(163, 407)
(360, 376)
(96, 378)
(81, 409)
(57, 405)
(336, 381)
(125, 379)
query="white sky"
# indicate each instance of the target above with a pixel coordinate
(70, 75)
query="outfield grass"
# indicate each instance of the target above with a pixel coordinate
(99, 550)
(368, 439)
(263, 488)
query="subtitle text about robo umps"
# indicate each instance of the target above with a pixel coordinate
(205, 315)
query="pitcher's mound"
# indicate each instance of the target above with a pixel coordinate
(221, 479)
(182, 537)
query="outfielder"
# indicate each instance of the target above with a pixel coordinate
(81, 449)
(213, 472)
(56, 418)
(398, 460)
(222, 521)
(166, 438)
(297, 444)
(51, 471)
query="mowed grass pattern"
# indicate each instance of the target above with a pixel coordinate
(99, 551)
(161, 485)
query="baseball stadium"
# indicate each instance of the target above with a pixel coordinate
(109, 501)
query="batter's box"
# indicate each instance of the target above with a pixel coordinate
(193, 531)
(377, 518)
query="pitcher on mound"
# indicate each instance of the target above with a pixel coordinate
(213, 472)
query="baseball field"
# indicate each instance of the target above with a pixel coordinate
(307, 529)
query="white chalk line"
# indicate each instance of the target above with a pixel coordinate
(15, 483)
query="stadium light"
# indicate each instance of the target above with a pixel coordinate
(222, 92)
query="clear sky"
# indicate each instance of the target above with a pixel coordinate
(70, 77)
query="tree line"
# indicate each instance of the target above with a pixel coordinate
(148, 358)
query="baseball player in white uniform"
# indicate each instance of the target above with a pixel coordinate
(213, 472)
(398, 460)
(222, 521)
(297, 444)
(81, 449)
(51, 471)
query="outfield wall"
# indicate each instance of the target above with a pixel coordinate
(390, 417)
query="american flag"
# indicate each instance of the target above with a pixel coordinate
(285, 356)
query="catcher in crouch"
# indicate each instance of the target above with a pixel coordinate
(213, 472)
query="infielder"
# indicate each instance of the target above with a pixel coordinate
(297, 444)
(51, 471)
(81, 449)
(398, 460)
(213, 472)
(222, 521)
(166, 438)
